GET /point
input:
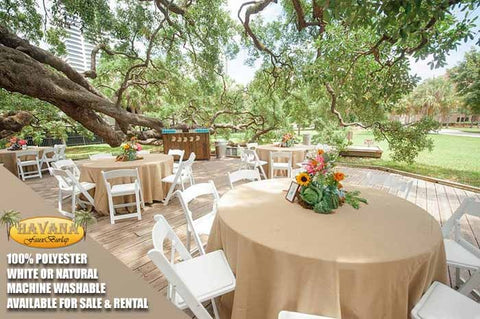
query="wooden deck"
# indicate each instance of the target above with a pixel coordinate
(129, 240)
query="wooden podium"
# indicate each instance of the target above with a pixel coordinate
(199, 143)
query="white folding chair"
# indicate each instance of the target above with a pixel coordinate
(250, 160)
(297, 315)
(143, 152)
(202, 225)
(48, 157)
(296, 171)
(394, 183)
(100, 156)
(59, 150)
(399, 185)
(243, 174)
(191, 281)
(23, 159)
(67, 164)
(180, 154)
(117, 190)
(183, 174)
(280, 166)
(460, 253)
(252, 146)
(442, 302)
(69, 185)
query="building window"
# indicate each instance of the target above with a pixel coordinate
(458, 119)
(466, 119)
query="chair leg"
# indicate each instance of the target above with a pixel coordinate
(189, 239)
(458, 280)
(262, 171)
(39, 170)
(215, 310)
(74, 203)
(22, 173)
(138, 200)
(60, 200)
(472, 282)
(169, 194)
(111, 209)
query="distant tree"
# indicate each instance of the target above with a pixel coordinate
(433, 97)
(351, 57)
(466, 77)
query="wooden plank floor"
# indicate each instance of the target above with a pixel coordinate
(129, 240)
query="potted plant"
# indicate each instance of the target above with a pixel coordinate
(84, 218)
(10, 218)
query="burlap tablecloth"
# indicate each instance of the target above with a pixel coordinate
(152, 168)
(370, 263)
(298, 154)
(9, 159)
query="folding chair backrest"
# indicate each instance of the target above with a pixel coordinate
(48, 150)
(64, 180)
(133, 172)
(67, 164)
(399, 184)
(469, 206)
(297, 171)
(188, 163)
(101, 156)
(252, 146)
(248, 155)
(179, 153)
(59, 150)
(287, 155)
(161, 232)
(198, 190)
(243, 174)
(22, 154)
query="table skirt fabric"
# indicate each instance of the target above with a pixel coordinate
(325, 264)
(151, 170)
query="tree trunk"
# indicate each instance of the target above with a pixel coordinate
(13, 122)
(22, 72)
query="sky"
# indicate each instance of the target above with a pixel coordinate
(243, 73)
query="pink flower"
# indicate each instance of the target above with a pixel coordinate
(139, 147)
(315, 165)
(22, 142)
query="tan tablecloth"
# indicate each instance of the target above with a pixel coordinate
(9, 159)
(152, 168)
(298, 154)
(370, 263)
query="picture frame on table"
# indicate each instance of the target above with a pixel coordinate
(292, 192)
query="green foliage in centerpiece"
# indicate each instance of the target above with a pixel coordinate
(321, 187)
(130, 150)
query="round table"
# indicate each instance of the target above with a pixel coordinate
(298, 154)
(151, 169)
(374, 262)
(9, 158)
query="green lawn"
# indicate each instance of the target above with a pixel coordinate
(467, 129)
(455, 158)
(82, 152)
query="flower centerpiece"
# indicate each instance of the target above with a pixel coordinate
(130, 150)
(320, 185)
(16, 144)
(287, 140)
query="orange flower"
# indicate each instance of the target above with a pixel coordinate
(320, 152)
(133, 138)
(339, 186)
(339, 176)
(126, 146)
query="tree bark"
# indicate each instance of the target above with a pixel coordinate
(13, 122)
(21, 73)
